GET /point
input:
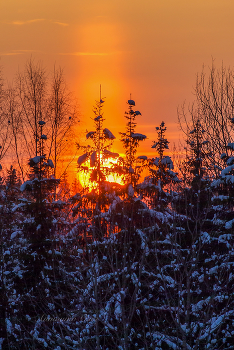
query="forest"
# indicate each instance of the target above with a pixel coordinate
(145, 261)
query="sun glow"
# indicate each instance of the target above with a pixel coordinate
(85, 173)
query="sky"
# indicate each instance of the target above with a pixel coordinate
(151, 49)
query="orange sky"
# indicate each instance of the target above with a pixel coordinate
(152, 49)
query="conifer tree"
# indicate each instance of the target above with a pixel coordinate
(223, 193)
(97, 154)
(46, 266)
(102, 139)
(197, 179)
(130, 140)
(161, 173)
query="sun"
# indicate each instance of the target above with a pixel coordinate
(85, 173)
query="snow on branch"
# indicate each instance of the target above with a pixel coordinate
(82, 158)
(108, 134)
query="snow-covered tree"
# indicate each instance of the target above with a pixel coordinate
(39, 267)
(156, 186)
(131, 140)
(194, 198)
(95, 160)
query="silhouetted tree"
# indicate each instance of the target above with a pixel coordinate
(155, 186)
(130, 140)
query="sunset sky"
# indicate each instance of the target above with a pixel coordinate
(151, 49)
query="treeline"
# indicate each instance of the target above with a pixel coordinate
(137, 265)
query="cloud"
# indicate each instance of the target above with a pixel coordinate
(61, 23)
(90, 53)
(10, 53)
(17, 52)
(20, 23)
(22, 51)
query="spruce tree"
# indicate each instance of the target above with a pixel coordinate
(156, 186)
(97, 153)
(41, 291)
(131, 140)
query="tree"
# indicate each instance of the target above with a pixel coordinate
(33, 99)
(99, 152)
(31, 88)
(38, 269)
(62, 111)
(130, 141)
(5, 121)
(214, 107)
(161, 173)
(197, 176)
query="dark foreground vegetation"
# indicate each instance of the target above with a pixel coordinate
(139, 265)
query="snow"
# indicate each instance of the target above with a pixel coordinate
(82, 159)
(156, 161)
(93, 159)
(90, 134)
(9, 325)
(118, 311)
(223, 155)
(231, 145)
(229, 178)
(230, 161)
(130, 191)
(131, 102)
(167, 161)
(37, 159)
(216, 183)
(108, 134)
(220, 197)
(138, 136)
(14, 234)
(205, 237)
(25, 184)
(50, 163)
(229, 224)
(214, 323)
(227, 170)
(97, 118)
(137, 113)
(109, 154)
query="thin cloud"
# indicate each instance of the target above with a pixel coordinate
(20, 23)
(10, 53)
(61, 23)
(16, 52)
(22, 51)
(90, 53)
